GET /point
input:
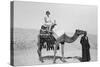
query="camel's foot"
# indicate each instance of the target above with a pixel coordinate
(41, 59)
(54, 62)
(63, 60)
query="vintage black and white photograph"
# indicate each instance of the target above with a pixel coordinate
(52, 33)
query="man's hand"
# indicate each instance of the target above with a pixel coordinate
(54, 21)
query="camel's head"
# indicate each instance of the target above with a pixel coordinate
(80, 32)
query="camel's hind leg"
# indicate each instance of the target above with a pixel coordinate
(39, 52)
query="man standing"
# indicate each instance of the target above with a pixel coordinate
(85, 48)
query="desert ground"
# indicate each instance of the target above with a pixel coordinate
(25, 49)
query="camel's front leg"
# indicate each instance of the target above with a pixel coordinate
(62, 51)
(55, 51)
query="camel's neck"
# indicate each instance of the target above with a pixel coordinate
(71, 39)
(75, 36)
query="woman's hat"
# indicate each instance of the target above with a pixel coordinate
(47, 12)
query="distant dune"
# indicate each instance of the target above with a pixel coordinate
(25, 38)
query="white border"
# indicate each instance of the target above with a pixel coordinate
(5, 31)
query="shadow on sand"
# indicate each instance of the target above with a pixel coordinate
(59, 57)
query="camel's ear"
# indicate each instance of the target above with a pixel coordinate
(76, 30)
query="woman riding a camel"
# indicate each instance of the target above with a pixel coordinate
(48, 21)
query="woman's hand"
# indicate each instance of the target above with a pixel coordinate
(54, 21)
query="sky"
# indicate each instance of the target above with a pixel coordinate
(69, 17)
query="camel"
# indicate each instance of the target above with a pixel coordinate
(59, 40)
(64, 38)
